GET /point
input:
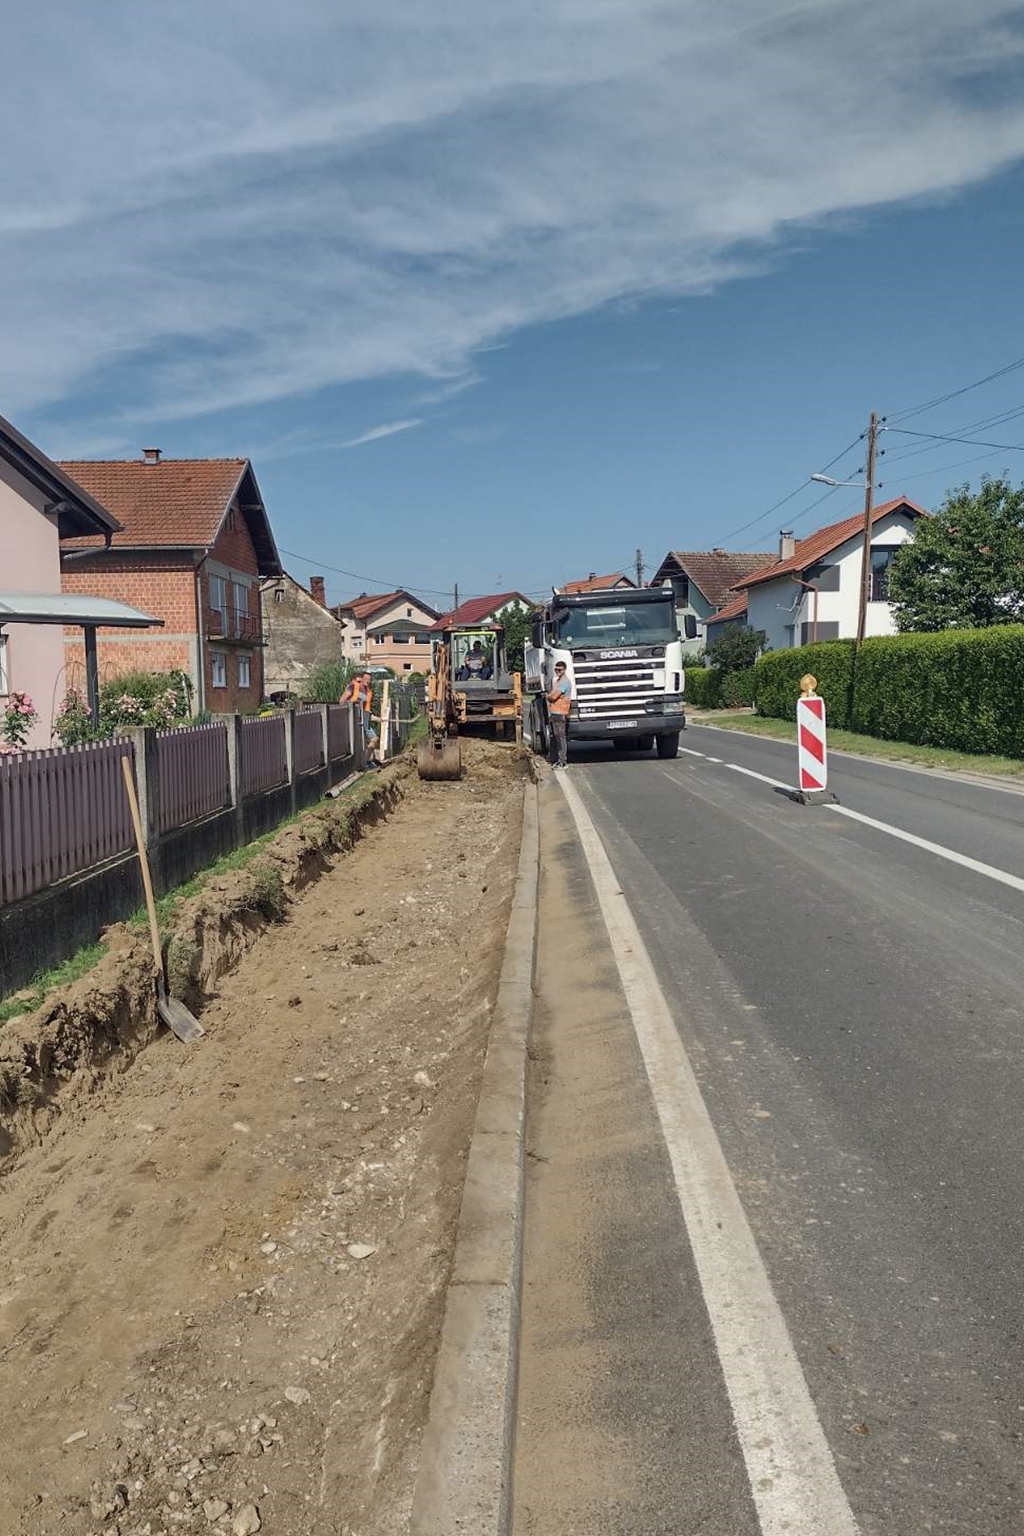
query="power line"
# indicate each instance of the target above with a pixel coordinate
(939, 437)
(726, 538)
(953, 394)
(376, 581)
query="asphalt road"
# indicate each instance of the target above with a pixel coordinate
(853, 1006)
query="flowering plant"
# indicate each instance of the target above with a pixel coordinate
(19, 718)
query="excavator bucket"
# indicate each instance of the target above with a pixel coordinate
(440, 757)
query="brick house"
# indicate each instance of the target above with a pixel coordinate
(300, 633)
(193, 545)
(387, 629)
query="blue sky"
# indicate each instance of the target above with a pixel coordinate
(495, 296)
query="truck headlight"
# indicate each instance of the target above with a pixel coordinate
(673, 706)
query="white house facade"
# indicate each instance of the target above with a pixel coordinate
(813, 589)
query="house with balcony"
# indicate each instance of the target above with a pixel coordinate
(702, 581)
(193, 545)
(811, 590)
(387, 629)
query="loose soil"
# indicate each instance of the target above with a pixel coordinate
(222, 1274)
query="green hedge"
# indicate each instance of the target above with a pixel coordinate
(962, 689)
(777, 679)
(701, 690)
(736, 689)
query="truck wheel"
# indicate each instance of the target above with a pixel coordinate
(644, 743)
(668, 746)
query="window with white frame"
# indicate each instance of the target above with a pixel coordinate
(4, 686)
(219, 601)
(244, 671)
(218, 669)
(241, 606)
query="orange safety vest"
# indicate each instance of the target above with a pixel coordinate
(361, 694)
(560, 702)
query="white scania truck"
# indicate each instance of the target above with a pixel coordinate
(624, 659)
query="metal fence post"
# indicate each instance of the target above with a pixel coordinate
(325, 728)
(355, 735)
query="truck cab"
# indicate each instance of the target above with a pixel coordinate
(623, 657)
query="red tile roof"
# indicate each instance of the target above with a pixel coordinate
(714, 571)
(597, 583)
(817, 545)
(737, 609)
(175, 501)
(367, 604)
(475, 610)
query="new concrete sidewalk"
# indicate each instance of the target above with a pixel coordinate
(465, 1458)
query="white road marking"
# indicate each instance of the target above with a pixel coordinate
(690, 752)
(989, 870)
(956, 776)
(714, 759)
(793, 1480)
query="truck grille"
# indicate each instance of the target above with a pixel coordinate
(610, 688)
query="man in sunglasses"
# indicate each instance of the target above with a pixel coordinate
(559, 699)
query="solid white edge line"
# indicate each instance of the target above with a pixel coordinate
(939, 849)
(793, 1479)
(954, 776)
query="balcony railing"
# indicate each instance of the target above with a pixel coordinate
(879, 589)
(223, 624)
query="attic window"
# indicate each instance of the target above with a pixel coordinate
(278, 594)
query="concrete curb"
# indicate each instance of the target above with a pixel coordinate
(464, 1483)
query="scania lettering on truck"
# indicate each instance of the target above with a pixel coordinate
(624, 659)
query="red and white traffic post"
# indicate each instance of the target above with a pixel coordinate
(812, 746)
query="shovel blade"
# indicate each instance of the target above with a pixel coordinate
(177, 1018)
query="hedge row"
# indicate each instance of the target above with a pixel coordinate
(710, 688)
(961, 689)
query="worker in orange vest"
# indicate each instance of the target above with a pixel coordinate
(360, 693)
(559, 701)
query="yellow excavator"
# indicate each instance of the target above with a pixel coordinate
(440, 755)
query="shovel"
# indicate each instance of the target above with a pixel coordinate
(174, 1014)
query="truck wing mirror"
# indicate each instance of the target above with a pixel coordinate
(689, 626)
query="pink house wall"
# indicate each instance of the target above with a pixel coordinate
(30, 562)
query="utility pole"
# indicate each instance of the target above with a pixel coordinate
(869, 502)
(639, 567)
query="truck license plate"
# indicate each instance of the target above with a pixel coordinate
(622, 725)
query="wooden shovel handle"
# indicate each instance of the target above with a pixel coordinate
(147, 879)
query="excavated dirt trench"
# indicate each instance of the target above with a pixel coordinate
(222, 1269)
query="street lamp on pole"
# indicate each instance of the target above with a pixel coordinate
(867, 485)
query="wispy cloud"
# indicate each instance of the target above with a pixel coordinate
(387, 429)
(229, 205)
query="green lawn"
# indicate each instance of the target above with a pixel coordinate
(867, 746)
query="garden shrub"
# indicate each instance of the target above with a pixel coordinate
(958, 688)
(736, 690)
(701, 690)
(777, 679)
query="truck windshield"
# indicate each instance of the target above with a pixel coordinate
(632, 624)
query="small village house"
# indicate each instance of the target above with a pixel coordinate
(387, 629)
(193, 543)
(702, 581)
(39, 505)
(482, 610)
(820, 577)
(300, 633)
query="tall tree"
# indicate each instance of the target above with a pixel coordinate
(736, 649)
(518, 622)
(965, 567)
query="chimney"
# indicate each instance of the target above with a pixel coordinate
(592, 575)
(151, 455)
(787, 543)
(316, 590)
(718, 551)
